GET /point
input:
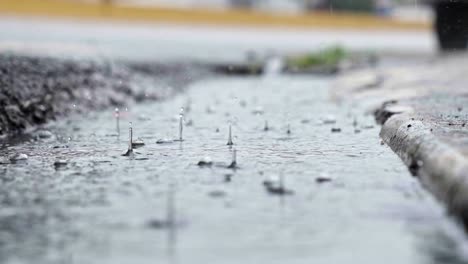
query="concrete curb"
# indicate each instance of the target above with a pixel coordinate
(442, 169)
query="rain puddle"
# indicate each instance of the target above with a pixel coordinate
(297, 185)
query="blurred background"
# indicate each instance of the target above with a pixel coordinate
(219, 30)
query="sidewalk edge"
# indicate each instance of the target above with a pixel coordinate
(441, 168)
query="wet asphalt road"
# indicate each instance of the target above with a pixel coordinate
(102, 207)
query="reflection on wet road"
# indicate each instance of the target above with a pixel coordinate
(350, 198)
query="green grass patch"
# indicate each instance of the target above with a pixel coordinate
(326, 57)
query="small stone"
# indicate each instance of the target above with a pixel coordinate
(210, 110)
(164, 141)
(44, 134)
(60, 163)
(18, 157)
(278, 190)
(329, 119)
(227, 177)
(217, 193)
(205, 162)
(274, 186)
(258, 110)
(160, 224)
(144, 118)
(323, 179)
(138, 143)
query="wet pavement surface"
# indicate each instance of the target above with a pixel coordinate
(349, 198)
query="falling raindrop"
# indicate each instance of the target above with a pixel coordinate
(117, 120)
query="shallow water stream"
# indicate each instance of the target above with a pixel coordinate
(352, 200)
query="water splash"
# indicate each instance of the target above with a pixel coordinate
(233, 164)
(130, 139)
(266, 127)
(230, 143)
(181, 124)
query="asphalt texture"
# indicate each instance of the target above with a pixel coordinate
(35, 90)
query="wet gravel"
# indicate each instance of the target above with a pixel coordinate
(349, 198)
(34, 90)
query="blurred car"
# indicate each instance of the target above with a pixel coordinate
(451, 23)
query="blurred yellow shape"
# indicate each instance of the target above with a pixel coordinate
(96, 11)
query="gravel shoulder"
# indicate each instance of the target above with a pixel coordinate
(35, 90)
(422, 110)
